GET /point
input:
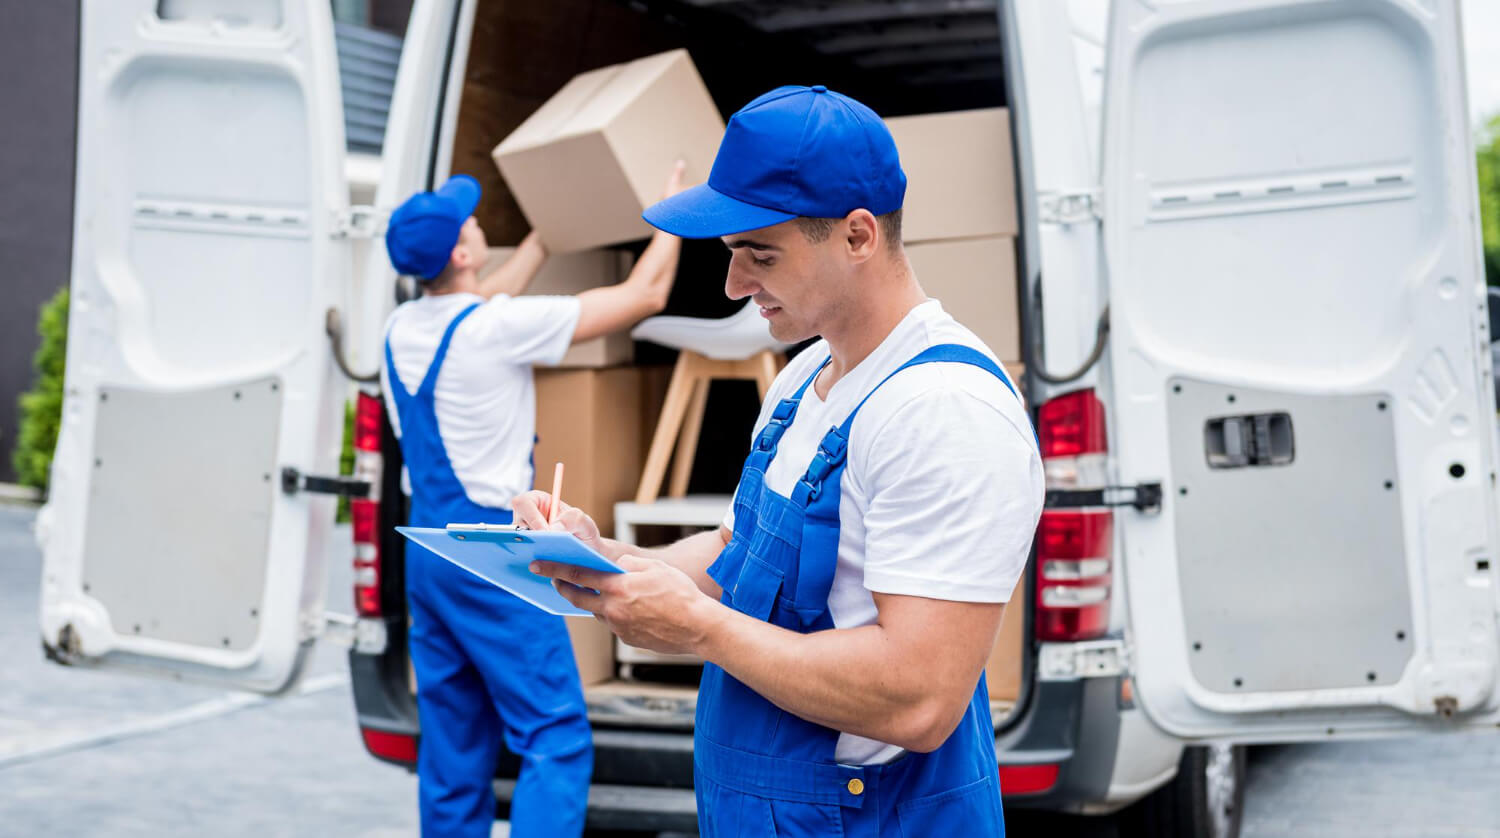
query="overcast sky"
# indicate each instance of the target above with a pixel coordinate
(1482, 53)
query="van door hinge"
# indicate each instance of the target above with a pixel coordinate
(1145, 497)
(1068, 206)
(1107, 658)
(359, 222)
(294, 481)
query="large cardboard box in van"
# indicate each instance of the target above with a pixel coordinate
(571, 273)
(960, 174)
(586, 164)
(976, 281)
(1003, 671)
(598, 422)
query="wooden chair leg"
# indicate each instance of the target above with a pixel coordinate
(765, 372)
(673, 411)
(687, 442)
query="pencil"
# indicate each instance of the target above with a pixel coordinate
(556, 495)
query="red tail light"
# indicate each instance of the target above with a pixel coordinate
(399, 747)
(368, 413)
(1027, 779)
(364, 513)
(1074, 546)
(1072, 424)
(1073, 560)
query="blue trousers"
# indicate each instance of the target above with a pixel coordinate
(490, 666)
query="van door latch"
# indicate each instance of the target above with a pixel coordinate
(1145, 497)
(294, 481)
(359, 222)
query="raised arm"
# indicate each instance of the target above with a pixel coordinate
(513, 277)
(643, 293)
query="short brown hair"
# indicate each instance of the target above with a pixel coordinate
(817, 230)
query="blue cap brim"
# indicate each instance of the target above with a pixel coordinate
(703, 213)
(463, 191)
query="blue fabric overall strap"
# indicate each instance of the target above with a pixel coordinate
(834, 447)
(781, 418)
(429, 381)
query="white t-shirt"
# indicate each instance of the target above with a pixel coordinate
(943, 489)
(485, 396)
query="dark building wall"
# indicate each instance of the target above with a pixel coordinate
(39, 94)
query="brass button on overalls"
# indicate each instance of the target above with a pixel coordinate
(856, 786)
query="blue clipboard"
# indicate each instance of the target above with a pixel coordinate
(500, 555)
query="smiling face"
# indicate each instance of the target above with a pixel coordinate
(801, 286)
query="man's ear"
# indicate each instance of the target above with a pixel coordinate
(862, 234)
(461, 257)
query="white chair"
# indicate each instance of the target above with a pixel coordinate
(737, 347)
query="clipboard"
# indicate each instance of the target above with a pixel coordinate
(500, 554)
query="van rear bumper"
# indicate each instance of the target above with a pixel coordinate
(1074, 725)
(644, 808)
(645, 777)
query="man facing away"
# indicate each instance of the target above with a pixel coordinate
(849, 602)
(458, 383)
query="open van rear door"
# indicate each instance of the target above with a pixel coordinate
(1299, 355)
(207, 248)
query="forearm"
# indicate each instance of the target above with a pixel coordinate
(852, 680)
(691, 555)
(513, 277)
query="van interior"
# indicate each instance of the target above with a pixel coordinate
(899, 58)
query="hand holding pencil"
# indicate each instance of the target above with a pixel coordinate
(539, 510)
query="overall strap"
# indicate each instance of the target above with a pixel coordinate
(781, 417)
(951, 353)
(429, 382)
(834, 447)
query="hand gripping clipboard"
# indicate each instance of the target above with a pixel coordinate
(500, 554)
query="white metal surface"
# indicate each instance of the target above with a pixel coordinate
(419, 104)
(1289, 204)
(690, 511)
(209, 176)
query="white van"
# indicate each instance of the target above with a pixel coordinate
(1256, 336)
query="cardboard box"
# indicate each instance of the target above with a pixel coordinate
(587, 162)
(976, 281)
(1003, 672)
(593, 648)
(568, 274)
(960, 174)
(597, 421)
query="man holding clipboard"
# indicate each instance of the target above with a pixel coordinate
(848, 604)
(458, 384)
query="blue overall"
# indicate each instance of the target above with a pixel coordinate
(762, 771)
(487, 664)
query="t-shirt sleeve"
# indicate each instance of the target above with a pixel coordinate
(955, 492)
(527, 330)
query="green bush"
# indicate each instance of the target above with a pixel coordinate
(346, 459)
(41, 407)
(1488, 163)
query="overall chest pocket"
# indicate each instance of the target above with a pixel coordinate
(756, 589)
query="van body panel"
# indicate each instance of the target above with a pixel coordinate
(1298, 326)
(207, 250)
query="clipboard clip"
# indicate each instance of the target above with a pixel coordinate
(483, 527)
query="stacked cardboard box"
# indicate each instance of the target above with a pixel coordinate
(1003, 671)
(960, 222)
(599, 422)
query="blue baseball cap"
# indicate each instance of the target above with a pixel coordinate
(796, 151)
(422, 231)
